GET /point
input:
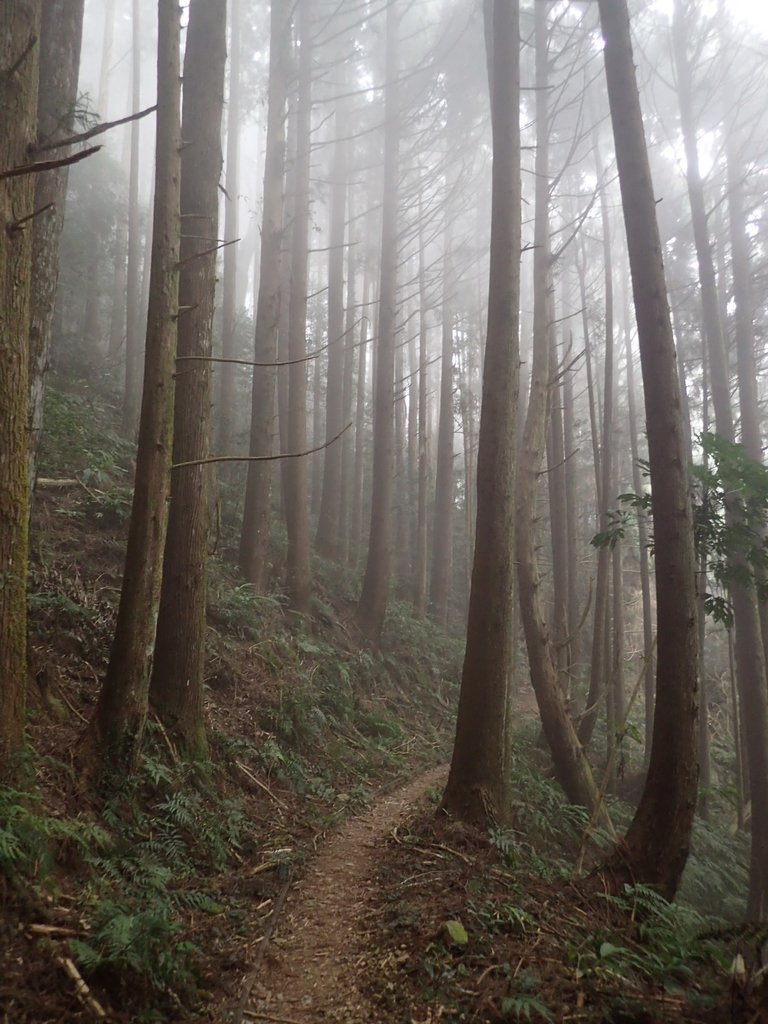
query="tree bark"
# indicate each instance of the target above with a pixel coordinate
(133, 297)
(19, 64)
(372, 606)
(479, 787)
(442, 536)
(61, 33)
(226, 375)
(571, 766)
(298, 572)
(176, 689)
(117, 728)
(655, 848)
(254, 539)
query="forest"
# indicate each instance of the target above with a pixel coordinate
(383, 511)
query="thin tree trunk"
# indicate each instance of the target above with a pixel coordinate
(117, 727)
(133, 315)
(372, 606)
(227, 404)
(254, 539)
(420, 566)
(571, 766)
(327, 541)
(298, 572)
(442, 536)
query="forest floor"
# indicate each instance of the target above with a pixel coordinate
(306, 875)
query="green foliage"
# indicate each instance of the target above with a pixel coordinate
(80, 437)
(32, 841)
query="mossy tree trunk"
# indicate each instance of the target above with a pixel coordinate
(19, 57)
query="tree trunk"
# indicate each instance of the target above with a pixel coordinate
(420, 566)
(327, 540)
(750, 659)
(598, 669)
(254, 539)
(117, 728)
(571, 766)
(176, 689)
(442, 536)
(61, 34)
(656, 846)
(19, 61)
(298, 572)
(133, 299)
(227, 393)
(372, 606)
(478, 786)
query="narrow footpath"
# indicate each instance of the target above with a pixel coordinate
(318, 953)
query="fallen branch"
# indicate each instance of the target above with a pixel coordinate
(83, 992)
(46, 484)
(247, 772)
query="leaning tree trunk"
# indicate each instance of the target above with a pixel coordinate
(750, 659)
(655, 848)
(254, 539)
(372, 606)
(571, 766)
(61, 33)
(117, 728)
(19, 57)
(176, 688)
(479, 782)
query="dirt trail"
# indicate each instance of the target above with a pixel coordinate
(310, 972)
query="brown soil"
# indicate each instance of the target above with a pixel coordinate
(317, 966)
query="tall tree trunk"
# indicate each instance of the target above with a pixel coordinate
(227, 406)
(61, 34)
(556, 466)
(327, 540)
(598, 670)
(117, 727)
(750, 659)
(298, 572)
(571, 767)
(254, 539)
(133, 299)
(655, 848)
(348, 373)
(356, 523)
(372, 606)
(19, 61)
(479, 782)
(442, 536)
(420, 567)
(176, 688)
(649, 658)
